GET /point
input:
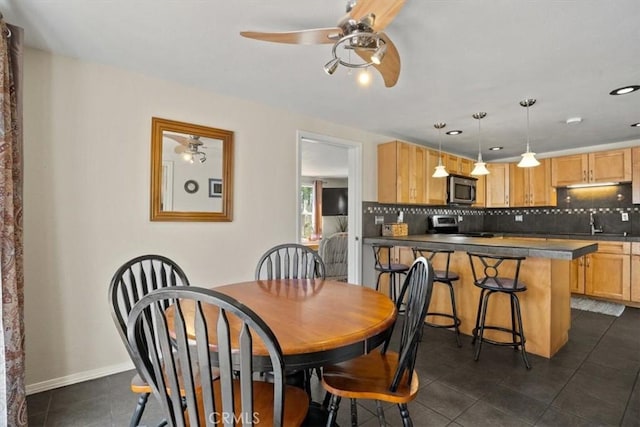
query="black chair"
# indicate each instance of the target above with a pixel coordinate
(290, 261)
(383, 265)
(133, 280)
(386, 375)
(491, 282)
(446, 277)
(176, 360)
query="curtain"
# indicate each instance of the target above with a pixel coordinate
(13, 405)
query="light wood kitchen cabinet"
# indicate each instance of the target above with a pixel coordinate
(601, 166)
(457, 165)
(497, 185)
(436, 187)
(608, 271)
(402, 173)
(531, 186)
(635, 271)
(635, 174)
(481, 191)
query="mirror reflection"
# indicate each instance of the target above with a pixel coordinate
(191, 172)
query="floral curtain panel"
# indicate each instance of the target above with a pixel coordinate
(13, 406)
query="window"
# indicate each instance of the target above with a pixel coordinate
(306, 212)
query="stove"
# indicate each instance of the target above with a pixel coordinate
(448, 224)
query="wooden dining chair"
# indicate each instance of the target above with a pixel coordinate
(386, 375)
(290, 261)
(176, 354)
(133, 280)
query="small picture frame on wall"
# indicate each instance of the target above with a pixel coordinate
(215, 187)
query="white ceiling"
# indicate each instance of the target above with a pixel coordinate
(458, 57)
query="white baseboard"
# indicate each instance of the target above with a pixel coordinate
(78, 377)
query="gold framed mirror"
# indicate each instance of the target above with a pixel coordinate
(191, 172)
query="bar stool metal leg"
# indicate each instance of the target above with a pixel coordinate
(522, 339)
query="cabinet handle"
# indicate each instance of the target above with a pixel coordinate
(506, 200)
(587, 261)
(584, 175)
(581, 262)
(591, 175)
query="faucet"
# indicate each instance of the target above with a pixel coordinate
(592, 224)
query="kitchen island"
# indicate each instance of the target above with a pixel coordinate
(547, 272)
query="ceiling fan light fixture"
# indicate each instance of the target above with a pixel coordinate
(331, 66)
(186, 156)
(364, 77)
(479, 167)
(377, 57)
(528, 158)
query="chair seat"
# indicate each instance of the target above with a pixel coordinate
(296, 403)
(440, 275)
(369, 377)
(139, 385)
(501, 284)
(393, 268)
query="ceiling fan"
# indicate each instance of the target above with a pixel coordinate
(359, 31)
(189, 147)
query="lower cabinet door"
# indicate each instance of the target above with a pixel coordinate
(608, 276)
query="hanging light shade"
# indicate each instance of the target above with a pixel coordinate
(440, 171)
(528, 158)
(480, 167)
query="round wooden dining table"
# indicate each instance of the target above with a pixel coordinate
(316, 322)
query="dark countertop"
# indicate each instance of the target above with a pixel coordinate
(615, 237)
(500, 245)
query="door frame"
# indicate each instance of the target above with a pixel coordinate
(354, 153)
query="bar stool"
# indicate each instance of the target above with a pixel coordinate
(382, 254)
(447, 278)
(492, 283)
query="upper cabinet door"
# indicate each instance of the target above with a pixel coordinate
(567, 170)
(635, 175)
(497, 191)
(601, 166)
(610, 166)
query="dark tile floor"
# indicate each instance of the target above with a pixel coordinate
(593, 381)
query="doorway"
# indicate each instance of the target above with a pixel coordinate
(337, 162)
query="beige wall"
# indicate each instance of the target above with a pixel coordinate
(86, 210)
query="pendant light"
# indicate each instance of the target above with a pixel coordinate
(480, 167)
(528, 158)
(440, 171)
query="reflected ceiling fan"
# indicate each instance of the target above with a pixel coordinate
(359, 31)
(189, 147)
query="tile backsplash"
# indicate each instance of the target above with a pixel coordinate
(571, 215)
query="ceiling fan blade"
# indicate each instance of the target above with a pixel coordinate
(315, 36)
(180, 149)
(178, 138)
(389, 68)
(384, 11)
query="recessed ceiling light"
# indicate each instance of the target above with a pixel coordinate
(454, 132)
(636, 125)
(495, 148)
(574, 120)
(625, 90)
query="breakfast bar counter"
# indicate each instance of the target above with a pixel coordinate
(548, 271)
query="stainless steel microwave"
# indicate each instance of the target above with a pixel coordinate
(461, 190)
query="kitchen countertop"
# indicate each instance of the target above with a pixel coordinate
(616, 237)
(499, 245)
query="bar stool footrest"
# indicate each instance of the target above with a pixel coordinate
(456, 321)
(519, 342)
